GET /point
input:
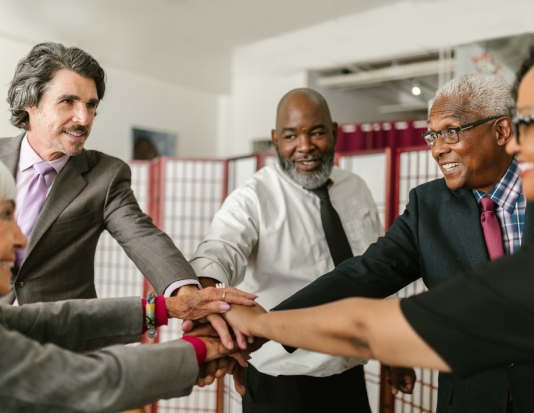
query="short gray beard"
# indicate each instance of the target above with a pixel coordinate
(314, 181)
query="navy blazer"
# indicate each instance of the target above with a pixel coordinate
(437, 236)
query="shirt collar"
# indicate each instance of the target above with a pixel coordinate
(507, 191)
(28, 157)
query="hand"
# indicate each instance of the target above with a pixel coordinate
(192, 304)
(216, 369)
(207, 330)
(244, 318)
(222, 331)
(401, 378)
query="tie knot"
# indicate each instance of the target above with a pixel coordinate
(322, 191)
(43, 168)
(487, 204)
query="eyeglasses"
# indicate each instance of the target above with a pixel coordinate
(450, 135)
(520, 123)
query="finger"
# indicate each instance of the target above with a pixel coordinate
(240, 338)
(250, 339)
(221, 327)
(188, 325)
(204, 310)
(241, 359)
(229, 295)
(211, 368)
(201, 374)
(239, 380)
(224, 366)
(203, 330)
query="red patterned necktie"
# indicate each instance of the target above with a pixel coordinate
(491, 229)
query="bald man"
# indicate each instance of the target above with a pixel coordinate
(269, 238)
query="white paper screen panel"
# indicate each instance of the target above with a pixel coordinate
(372, 169)
(192, 194)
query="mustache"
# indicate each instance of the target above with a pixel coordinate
(309, 157)
(76, 128)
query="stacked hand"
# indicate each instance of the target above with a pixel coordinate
(240, 318)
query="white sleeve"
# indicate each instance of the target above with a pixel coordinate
(232, 236)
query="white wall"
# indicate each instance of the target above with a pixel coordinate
(263, 71)
(253, 108)
(131, 100)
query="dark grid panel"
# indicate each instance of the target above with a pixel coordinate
(415, 168)
(191, 193)
(115, 274)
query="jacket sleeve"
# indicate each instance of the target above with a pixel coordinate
(387, 266)
(78, 325)
(149, 248)
(46, 378)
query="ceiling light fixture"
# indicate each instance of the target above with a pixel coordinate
(416, 90)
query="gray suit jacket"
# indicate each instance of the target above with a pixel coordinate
(40, 371)
(92, 193)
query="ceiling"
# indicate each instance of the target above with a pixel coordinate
(182, 41)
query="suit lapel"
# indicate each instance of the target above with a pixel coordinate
(10, 153)
(67, 186)
(465, 221)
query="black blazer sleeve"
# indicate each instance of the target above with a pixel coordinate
(388, 265)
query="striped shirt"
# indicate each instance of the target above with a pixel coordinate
(511, 205)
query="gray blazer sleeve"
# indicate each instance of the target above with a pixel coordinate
(41, 377)
(78, 325)
(149, 248)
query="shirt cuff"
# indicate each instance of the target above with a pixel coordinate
(178, 284)
(201, 351)
(205, 268)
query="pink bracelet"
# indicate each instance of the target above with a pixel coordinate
(201, 351)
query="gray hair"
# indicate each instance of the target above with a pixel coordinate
(8, 190)
(487, 95)
(35, 71)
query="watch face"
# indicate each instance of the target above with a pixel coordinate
(152, 332)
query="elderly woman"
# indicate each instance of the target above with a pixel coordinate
(478, 320)
(40, 370)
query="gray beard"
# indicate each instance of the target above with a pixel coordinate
(314, 181)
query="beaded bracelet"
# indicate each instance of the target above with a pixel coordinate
(150, 315)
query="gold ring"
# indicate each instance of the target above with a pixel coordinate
(224, 295)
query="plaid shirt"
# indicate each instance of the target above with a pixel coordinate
(511, 205)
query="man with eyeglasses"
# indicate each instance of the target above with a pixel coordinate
(476, 213)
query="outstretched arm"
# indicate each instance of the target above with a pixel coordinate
(354, 327)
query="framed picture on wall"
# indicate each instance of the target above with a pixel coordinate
(147, 145)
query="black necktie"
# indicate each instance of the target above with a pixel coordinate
(337, 241)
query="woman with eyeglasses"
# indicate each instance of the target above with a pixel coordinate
(480, 319)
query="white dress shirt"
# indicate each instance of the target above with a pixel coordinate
(267, 239)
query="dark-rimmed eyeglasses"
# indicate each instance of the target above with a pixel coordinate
(520, 123)
(450, 135)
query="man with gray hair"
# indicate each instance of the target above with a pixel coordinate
(477, 212)
(66, 195)
(282, 229)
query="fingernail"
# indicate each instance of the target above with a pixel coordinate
(225, 307)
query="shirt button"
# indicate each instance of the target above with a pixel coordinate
(20, 284)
